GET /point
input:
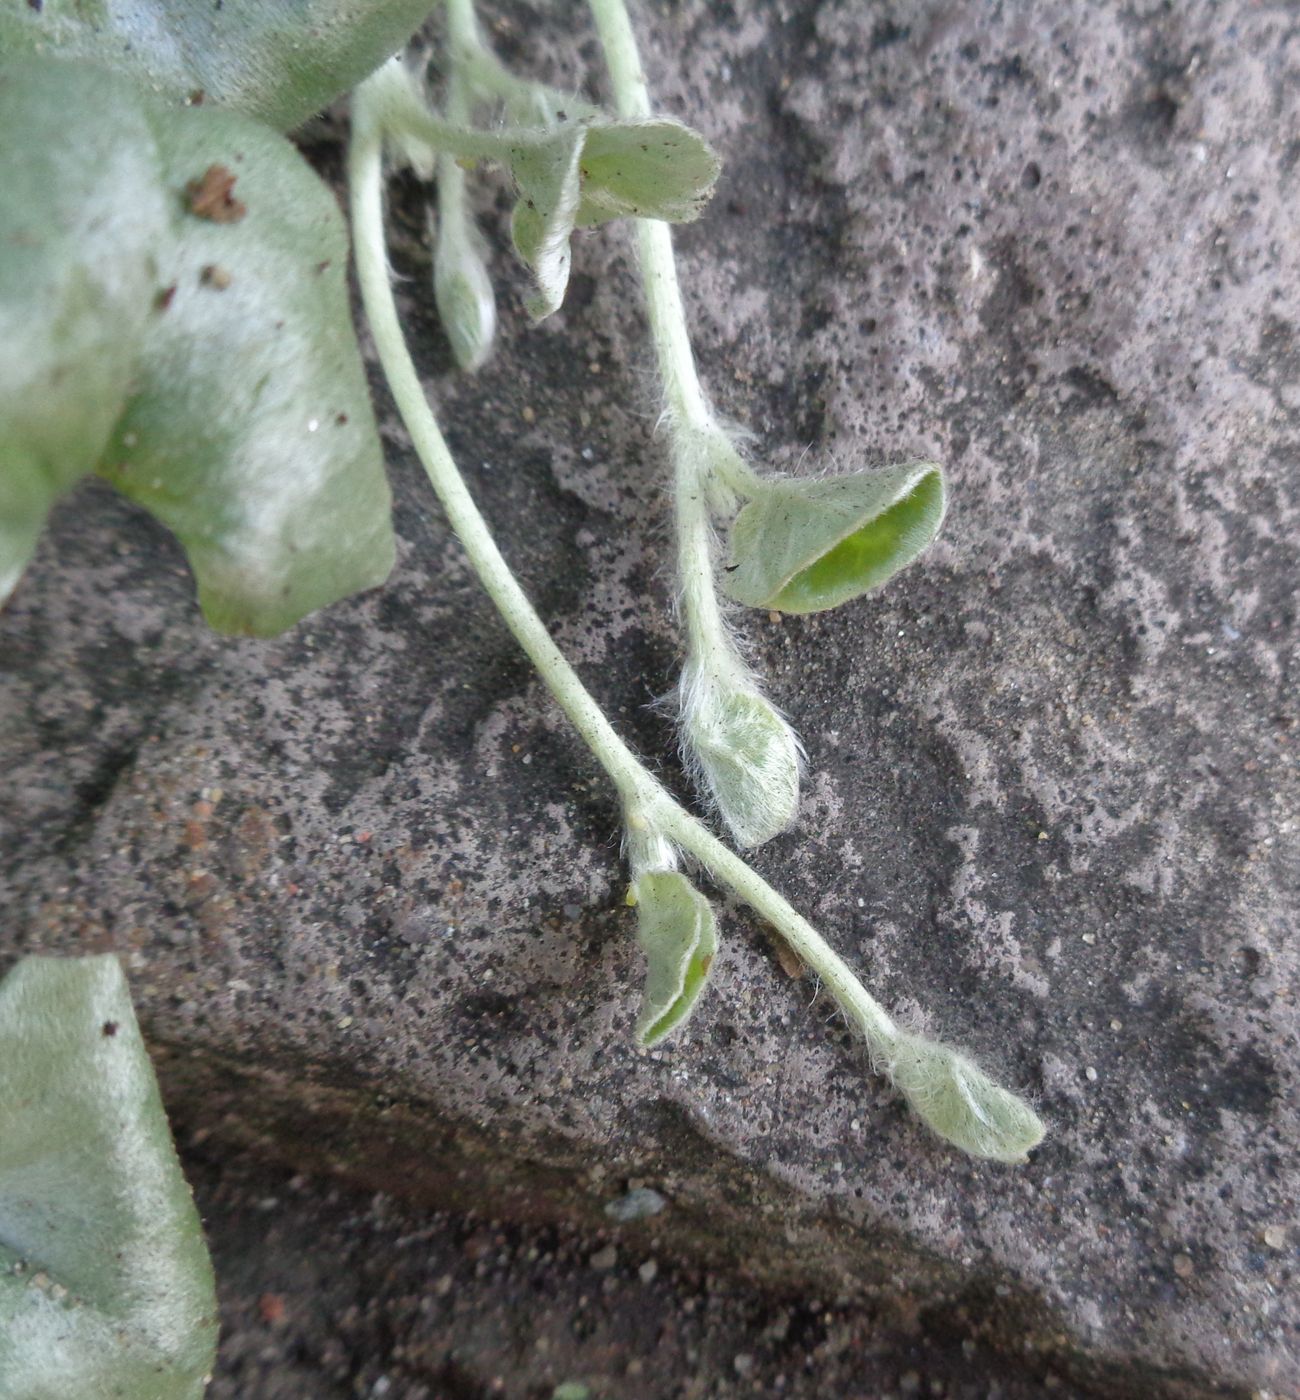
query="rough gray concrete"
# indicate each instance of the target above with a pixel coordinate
(368, 882)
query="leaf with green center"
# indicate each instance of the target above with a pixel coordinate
(590, 172)
(277, 60)
(105, 1284)
(804, 545)
(679, 936)
(745, 756)
(233, 404)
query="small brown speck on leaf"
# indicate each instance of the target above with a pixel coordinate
(211, 196)
(215, 277)
(195, 99)
(164, 298)
(108, 1028)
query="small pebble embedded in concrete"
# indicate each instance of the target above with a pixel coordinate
(1183, 1265)
(604, 1259)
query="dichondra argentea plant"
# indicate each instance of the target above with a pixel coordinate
(174, 319)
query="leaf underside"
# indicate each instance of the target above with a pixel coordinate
(591, 172)
(277, 60)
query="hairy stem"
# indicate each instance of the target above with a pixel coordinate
(490, 78)
(648, 803)
(648, 807)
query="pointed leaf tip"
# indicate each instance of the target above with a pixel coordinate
(961, 1103)
(804, 545)
(678, 933)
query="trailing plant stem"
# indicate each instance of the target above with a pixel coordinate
(648, 805)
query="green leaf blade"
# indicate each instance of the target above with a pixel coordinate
(105, 1284)
(279, 61)
(250, 432)
(80, 174)
(655, 169)
(805, 545)
(678, 934)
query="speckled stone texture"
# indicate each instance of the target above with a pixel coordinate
(368, 883)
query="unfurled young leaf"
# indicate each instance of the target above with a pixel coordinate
(277, 60)
(105, 1285)
(960, 1102)
(590, 172)
(678, 934)
(174, 315)
(803, 545)
(743, 753)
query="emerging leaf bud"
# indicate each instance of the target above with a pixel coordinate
(679, 936)
(462, 290)
(805, 544)
(742, 752)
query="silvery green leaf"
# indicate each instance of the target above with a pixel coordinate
(249, 432)
(590, 172)
(105, 1285)
(653, 169)
(277, 60)
(961, 1103)
(174, 315)
(744, 754)
(802, 545)
(678, 934)
(77, 283)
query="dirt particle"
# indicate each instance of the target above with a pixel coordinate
(215, 277)
(271, 1309)
(164, 298)
(1274, 1236)
(604, 1259)
(212, 196)
(109, 1028)
(1183, 1265)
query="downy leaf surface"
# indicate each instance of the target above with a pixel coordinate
(106, 1289)
(174, 314)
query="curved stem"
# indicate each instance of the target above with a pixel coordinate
(949, 1092)
(648, 804)
(490, 78)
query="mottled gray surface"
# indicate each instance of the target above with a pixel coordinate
(1052, 810)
